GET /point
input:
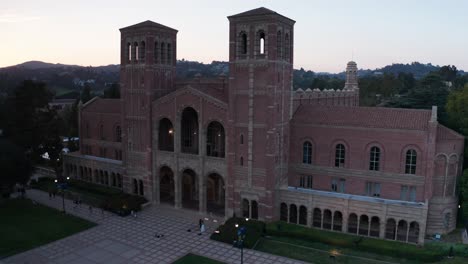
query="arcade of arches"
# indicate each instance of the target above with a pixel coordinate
(189, 136)
(98, 176)
(184, 191)
(363, 225)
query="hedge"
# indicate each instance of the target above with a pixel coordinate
(110, 199)
(378, 246)
(228, 231)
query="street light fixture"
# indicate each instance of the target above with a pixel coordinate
(240, 240)
(62, 185)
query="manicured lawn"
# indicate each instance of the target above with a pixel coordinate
(101, 196)
(24, 226)
(196, 259)
(321, 253)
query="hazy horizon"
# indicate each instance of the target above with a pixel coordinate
(327, 33)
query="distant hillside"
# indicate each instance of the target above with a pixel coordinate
(68, 80)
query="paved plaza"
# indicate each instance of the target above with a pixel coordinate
(132, 240)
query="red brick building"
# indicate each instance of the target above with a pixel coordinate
(249, 144)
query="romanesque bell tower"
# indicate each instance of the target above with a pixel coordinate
(147, 72)
(260, 85)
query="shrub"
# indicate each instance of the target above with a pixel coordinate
(228, 231)
(383, 247)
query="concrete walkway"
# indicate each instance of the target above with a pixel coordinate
(132, 240)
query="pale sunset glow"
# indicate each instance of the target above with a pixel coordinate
(327, 33)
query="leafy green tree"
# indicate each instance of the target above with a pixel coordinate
(22, 109)
(69, 120)
(113, 91)
(16, 167)
(464, 195)
(86, 93)
(448, 73)
(457, 110)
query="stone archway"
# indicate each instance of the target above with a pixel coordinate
(166, 185)
(215, 194)
(189, 185)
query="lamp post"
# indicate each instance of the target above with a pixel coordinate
(240, 240)
(62, 185)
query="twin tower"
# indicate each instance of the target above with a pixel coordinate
(259, 101)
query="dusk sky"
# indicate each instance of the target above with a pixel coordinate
(327, 33)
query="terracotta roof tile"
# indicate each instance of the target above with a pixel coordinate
(99, 105)
(367, 117)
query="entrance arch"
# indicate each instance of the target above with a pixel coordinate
(215, 194)
(166, 185)
(189, 189)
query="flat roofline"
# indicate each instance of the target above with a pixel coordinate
(355, 197)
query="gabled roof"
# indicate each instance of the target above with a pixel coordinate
(100, 105)
(148, 24)
(258, 12)
(363, 117)
(188, 89)
(445, 133)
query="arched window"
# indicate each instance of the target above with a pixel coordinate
(135, 186)
(390, 229)
(402, 230)
(302, 215)
(374, 161)
(242, 139)
(317, 218)
(279, 46)
(136, 51)
(189, 127)
(286, 47)
(156, 52)
(166, 135)
(254, 210)
(118, 134)
(242, 43)
(163, 53)
(215, 140)
(245, 208)
(87, 130)
(337, 221)
(101, 131)
(363, 225)
(169, 54)
(307, 152)
(142, 51)
(142, 192)
(340, 153)
(284, 212)
(413, 235)
(410, 165)
(293, 214)
(352, 223)
(261, 43)
(375, 227)
(129, 52)
(327, 219)
(241, 161)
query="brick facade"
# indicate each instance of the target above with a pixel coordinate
(248, 144)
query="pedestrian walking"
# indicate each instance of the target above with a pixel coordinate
(90, 209)
(50, 195)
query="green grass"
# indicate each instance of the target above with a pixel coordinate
(320, 253)
(364, 244)
(24, 226)
(196, 259)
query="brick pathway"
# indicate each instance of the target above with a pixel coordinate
(132, 240)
